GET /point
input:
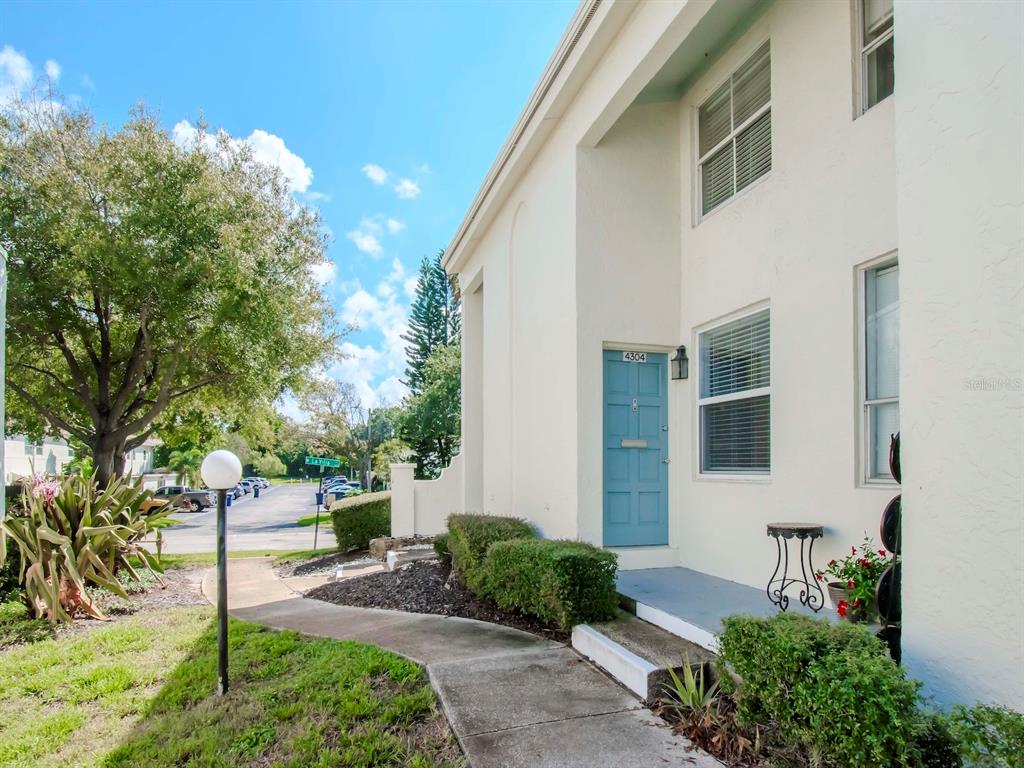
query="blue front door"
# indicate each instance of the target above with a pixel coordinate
(635, 449)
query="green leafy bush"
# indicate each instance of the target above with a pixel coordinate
(831, 690)
(934, 743)
(441, 546)
(469, 537)
(17, 625)
(358, 519)
(72, 535)
(565, 582)
(988, 737)
(10, 567)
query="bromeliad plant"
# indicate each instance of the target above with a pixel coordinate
(858, 573)
(71, 535)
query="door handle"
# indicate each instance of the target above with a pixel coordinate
(666, 461)
(633, 444)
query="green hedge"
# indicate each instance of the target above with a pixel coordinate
(469, 537)
(831, 689)
(441, 546)
(358, 519)
(565, 582)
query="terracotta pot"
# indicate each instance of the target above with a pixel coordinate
(858, 614)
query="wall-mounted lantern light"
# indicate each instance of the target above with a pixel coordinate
(680, 364)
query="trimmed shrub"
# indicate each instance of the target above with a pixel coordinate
(441, 546)
(988, 737)
(564, 582)
(469, 536)
(830, 689)
(358, 519)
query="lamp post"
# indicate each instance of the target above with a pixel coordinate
(221, 470)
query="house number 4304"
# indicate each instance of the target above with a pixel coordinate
(634, 357)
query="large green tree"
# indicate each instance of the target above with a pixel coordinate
(432, 419)
(434, 319)
(143, 274)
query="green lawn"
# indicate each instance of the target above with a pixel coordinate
(308, 521)
(210, 558)
(141, 693)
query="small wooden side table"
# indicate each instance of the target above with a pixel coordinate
(811, 594)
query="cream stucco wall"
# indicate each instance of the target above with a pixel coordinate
(960, 200)
(792, 241)
(595, 242)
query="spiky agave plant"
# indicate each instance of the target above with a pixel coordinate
(70, 535)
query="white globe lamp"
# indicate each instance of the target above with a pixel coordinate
(221, 470)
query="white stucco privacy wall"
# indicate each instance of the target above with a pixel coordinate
(421, 507)
(959, 136)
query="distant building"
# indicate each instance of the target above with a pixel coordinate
(24, 456)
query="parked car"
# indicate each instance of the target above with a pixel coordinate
(247, 487)
(333, 479)
(195, 499)
(148, 506)
(260, 482)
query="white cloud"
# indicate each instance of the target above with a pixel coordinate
(395, 226)
(407, 189)
(15, 74)
(266, 147)
(324, 272)
(410, 285)
(270, 149)
(87, 82)
(52, 69)
(375, 370)
(318, 197)
(375, 173)
(365, 241)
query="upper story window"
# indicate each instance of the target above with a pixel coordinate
(735, 132)
(33, 447)
(735, 396)
(881, 368)
(877, 73)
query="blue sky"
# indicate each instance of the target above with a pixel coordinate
(385, 116)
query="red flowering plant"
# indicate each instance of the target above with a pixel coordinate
(858, 574)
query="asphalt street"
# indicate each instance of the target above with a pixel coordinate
(264, 523)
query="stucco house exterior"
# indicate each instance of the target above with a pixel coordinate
(822, 203)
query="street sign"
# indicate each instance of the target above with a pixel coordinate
(317, 461)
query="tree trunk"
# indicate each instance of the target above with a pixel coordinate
(104, 462)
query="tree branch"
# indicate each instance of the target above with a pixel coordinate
(136, 365)
(81, 383)
(49, 415)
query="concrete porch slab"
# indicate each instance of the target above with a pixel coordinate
(692, 604)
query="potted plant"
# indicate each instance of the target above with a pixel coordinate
(854, 580)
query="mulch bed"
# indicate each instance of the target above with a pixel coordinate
(424, 587)
(324, 565)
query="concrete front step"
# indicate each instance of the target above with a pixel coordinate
(639, 654)
(399, 557)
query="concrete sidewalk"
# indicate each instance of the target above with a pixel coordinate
(511, 698)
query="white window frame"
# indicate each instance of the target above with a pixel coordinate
(864, 421)
(33, 448)
(699, 191)
(700, 402)
(862, 57)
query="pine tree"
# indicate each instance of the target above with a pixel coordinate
(434, 319)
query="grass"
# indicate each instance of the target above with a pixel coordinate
(210, 558)
(165, 522)
(308, 521)
(141, 692)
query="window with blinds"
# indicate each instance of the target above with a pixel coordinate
(735, 396)
(881, 367)
(734, 129)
